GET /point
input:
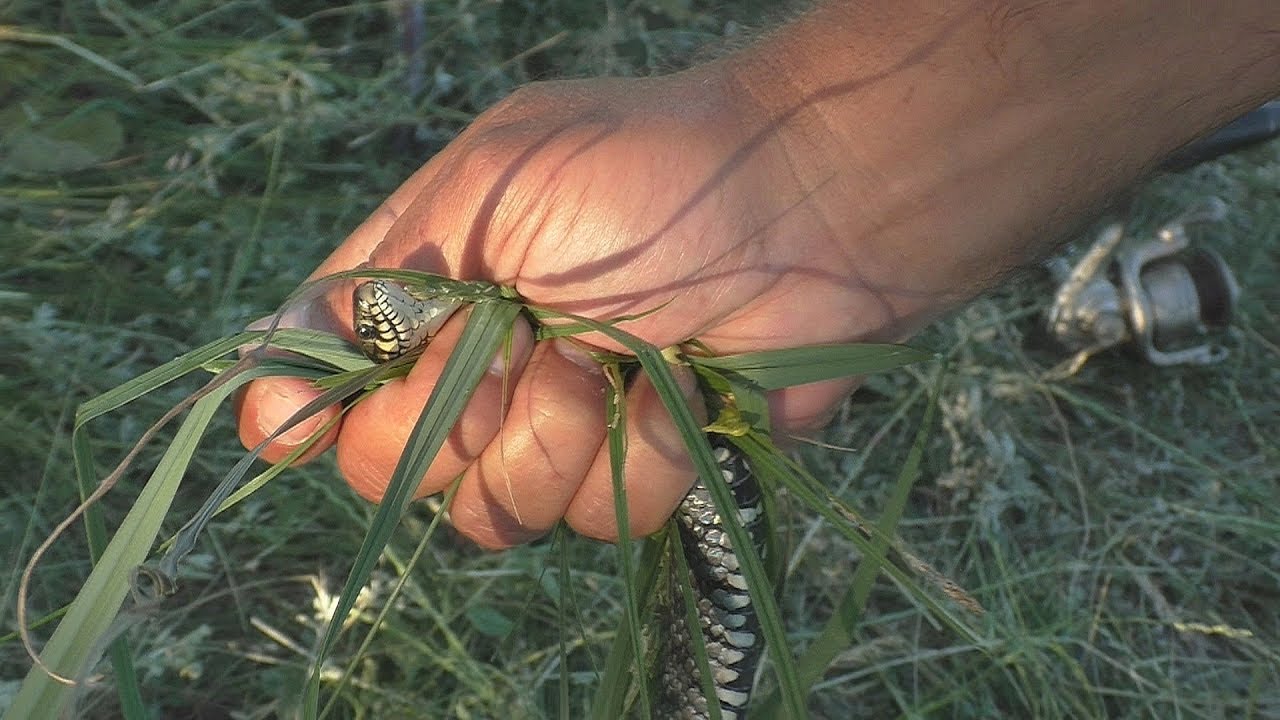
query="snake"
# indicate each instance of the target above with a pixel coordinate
(391, 319)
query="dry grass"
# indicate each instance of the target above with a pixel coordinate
(1120, 527)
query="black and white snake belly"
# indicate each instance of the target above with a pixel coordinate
(391, 320)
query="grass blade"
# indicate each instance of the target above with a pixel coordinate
(841, 629)
(664, 382)
(425, 283)
(616, 412)
(73, 648)
(562, 619)
(166, 571)
(683, 581)
(163, 375)
(390, 602)
(323, 346)
(774, 369)
(484, 333)
(610, 700)
(121, 652)
(766, 460)
(326, 346)
(752, 568)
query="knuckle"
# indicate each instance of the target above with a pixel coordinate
(531, 99)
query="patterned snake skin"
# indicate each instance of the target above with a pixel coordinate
(726, 616)
(391, 320)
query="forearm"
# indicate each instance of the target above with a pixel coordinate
(960, 143)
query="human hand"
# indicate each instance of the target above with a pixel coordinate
(846, 178)
(600, 198)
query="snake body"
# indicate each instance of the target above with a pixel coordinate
(391, 320)
(727, 619)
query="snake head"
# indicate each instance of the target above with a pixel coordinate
(390, 320)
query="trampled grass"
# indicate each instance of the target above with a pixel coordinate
(1119, 527)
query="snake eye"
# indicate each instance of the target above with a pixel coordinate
(366, 332)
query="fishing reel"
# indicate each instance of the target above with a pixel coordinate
(1159, 295)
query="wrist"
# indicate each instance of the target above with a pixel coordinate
(853, 163)
(944, 148)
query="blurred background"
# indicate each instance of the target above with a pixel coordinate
(170, 171)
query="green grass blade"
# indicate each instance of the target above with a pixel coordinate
(569, 329)
(563, 538)
(332, 350)
(767, 460)
(71, 650)
(166, 571)
(616, 412)
(121, 652)
(484, 333)
(560, 541)
(163, 375)
(611, 698)
(683, 580)
(752, 566)
(417, 281)
(323, 346)
(11, 33)
(389, 603)
(708, 469)
(761, 592)
(774, 369)
(271, 473)
(664, 382)
(749, 411)
(841, 629)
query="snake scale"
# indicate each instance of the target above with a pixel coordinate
(391, 319)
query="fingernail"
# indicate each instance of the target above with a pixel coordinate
(298, 316)
(295, 316)
(521, 344)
